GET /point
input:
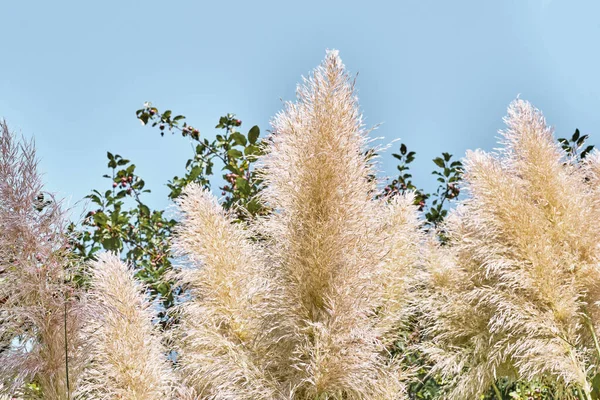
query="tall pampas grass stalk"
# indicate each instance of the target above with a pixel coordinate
(127, 359)
(516, 294)
(302, 304)
(40, 313)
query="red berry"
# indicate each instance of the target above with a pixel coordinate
(114, 184)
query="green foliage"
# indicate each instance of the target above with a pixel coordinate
(122, 222)
(575, 146)
(449, 175)
(234, 150)
(521, 390)
(403, 183)
(422, 386)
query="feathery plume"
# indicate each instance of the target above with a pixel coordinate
(40, 316)
(127, 359)
(516, 293)
(222, 354)
(306, 311)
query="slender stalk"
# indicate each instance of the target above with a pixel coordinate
(587, 393)
(497, 391)
(67, 353)
(590, 326)
(584, 390)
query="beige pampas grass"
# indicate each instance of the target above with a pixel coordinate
(40, 315)
(127, 360)
(517, 293)
(307, 311)
(222, 354)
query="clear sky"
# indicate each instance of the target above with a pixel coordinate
(437, 74)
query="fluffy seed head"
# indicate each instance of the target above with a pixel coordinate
(517, 295)
(127, 359)
(40, 315)
(303, 303)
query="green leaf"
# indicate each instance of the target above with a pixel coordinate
(162, 288)
(144, 210)
(195, 172)
(100, 218)
(238, 138)
(139, 185)
(253, 206)
(233, 153)
(242, 185)
(111, 243)
(144, 118)
(582, 140)
(587, 150)
(253, 134)
(251, 150)
(439, 162)
(94, 199)
(596, 387)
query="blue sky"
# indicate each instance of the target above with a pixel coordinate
(437, 74)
